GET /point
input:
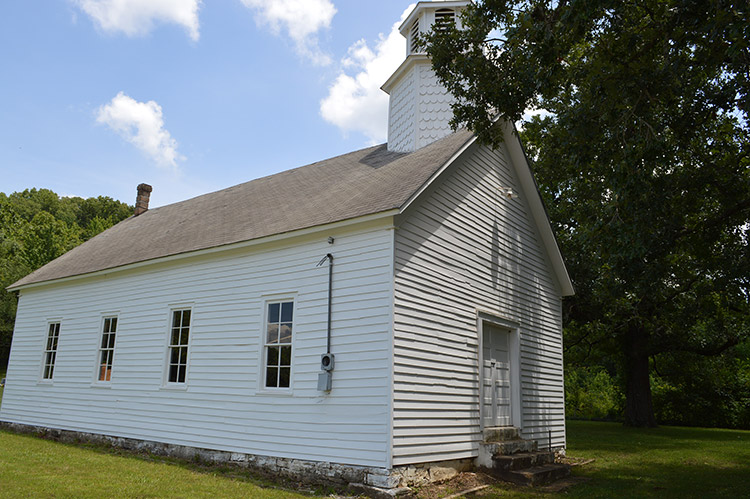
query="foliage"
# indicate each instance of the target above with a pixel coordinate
(642, 157)
(718, 393)
(37, 226)
(591, 393)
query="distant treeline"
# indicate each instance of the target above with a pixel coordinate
(687, 390)
(37, 226)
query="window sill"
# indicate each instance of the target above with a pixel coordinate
(275, 392)
(101, 384)
(181, 387)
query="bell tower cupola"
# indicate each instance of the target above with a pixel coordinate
(419, 110)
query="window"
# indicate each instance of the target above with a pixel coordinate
(278, 347)
(50, 352)
(178, 346)
(107, 348)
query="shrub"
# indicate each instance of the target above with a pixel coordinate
(591, 393)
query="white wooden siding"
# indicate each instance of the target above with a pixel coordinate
(460, 248)
(223, 405)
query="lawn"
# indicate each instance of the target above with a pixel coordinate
(32, 467)
(662, 462)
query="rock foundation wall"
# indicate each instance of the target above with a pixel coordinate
(424, 473)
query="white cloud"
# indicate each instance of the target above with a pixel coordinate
(301, 19)
(142, 124)
(137, 17)
(355, 102)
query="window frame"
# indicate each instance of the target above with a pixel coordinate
(46, 351)
(264, 344)
(166, 383)
(100, 349)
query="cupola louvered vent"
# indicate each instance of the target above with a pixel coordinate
(413, 36)
(444, 18)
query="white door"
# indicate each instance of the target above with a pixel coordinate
(496, 390)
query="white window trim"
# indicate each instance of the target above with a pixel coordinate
(176, 385)
(42, 380)
(265, 301)
(97, 361)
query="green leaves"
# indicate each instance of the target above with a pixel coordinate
(37, 226)
(643, 159)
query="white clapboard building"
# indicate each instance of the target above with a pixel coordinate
(361, 317)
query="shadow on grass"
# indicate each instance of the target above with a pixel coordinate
(660, 462)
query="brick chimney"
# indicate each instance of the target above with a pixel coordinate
(141, 201)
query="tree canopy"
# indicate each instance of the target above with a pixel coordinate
(639, 137)
(37, 226)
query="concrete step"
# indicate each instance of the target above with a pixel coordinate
(536, 475)
(522, 460)
(500, 433)
(510, 447)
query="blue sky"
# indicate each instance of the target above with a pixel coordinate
(189, 96)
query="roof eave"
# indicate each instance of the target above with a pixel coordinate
(472, 139)
(410, 60)
(225, 247)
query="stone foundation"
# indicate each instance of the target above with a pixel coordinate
(424, 473)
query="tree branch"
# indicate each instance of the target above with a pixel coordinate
(708, 351)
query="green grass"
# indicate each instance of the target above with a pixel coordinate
(33, 467)
(628, 462)
(660, 462)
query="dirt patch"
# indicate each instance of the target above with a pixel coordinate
(460, 483)
(574, 461)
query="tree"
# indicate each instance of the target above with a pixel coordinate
(641, 152)
(37, 226)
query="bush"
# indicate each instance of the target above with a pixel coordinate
(699, 391)
(591, 393)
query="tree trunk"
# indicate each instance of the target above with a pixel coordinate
(639, 411)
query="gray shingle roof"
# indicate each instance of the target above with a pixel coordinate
(356, 184)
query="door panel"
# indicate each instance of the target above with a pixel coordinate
(496, 389)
